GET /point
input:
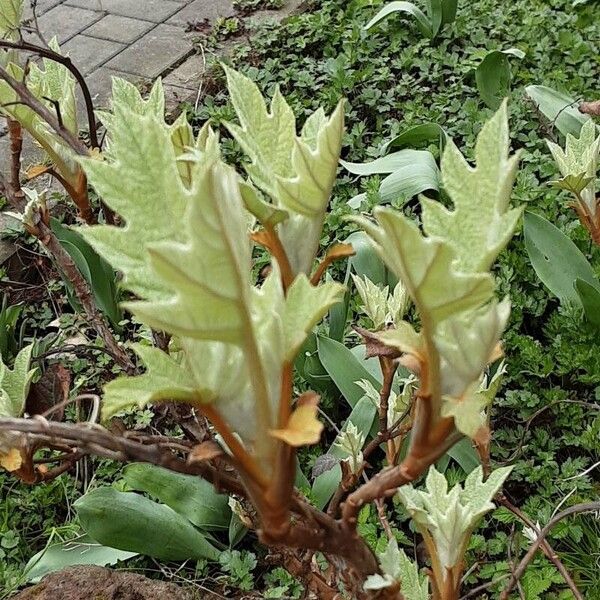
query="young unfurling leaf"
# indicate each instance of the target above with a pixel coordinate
(296, 172)
(446, 273)
(446, 519)
(397, 567)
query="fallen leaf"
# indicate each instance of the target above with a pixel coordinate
(11, 461)
(303, 427)
(204, 451)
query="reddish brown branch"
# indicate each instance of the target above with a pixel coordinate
(15, 133)
(385, 483)
(518, 573)
(388, 370)
(548, 551)
(66, 62)
(311, 529)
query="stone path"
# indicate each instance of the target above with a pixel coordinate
(138, 40)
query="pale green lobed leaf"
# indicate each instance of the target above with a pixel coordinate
(466, 344)
(580, 158)
(480, 225)
(55, 82)
(396, 566)
(314, 166)
(403, 338)
(141, 182)
(11, 13)
(374, 300)
(450, 516)
(426, 266)
(398, 303)
(305, 306)
(266, 136)
(55, 148)
(266, 213)
(205, 278)
(297, 172)
(200, 372)
(164, 379)
(14, 384)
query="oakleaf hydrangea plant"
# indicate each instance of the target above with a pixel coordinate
(184, 239)
(578, 165)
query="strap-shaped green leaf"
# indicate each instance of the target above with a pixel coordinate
(480, 225)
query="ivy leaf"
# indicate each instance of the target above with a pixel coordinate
(421, 263)
(479, 226)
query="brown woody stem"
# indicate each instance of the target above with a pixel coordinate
(544, 546)
(15, 133)
(66, 62)
(518, 573)
(84, 294)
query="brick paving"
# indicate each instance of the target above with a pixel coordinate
(138, 40)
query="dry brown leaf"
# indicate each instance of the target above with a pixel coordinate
(204, 451)
(11, 461)
(303, 427)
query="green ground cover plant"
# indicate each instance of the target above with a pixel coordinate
(405, 94)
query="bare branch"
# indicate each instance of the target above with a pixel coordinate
(66, 62)
(573, 510)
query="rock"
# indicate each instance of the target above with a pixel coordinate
(97, 583)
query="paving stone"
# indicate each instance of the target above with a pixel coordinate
(150, 10)
(100, 85)
(154, 53)
(65, 21)
(187, 75)
(43, 6)
(119, 29)
(90, 52)
(198, 10)
(175, 95)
